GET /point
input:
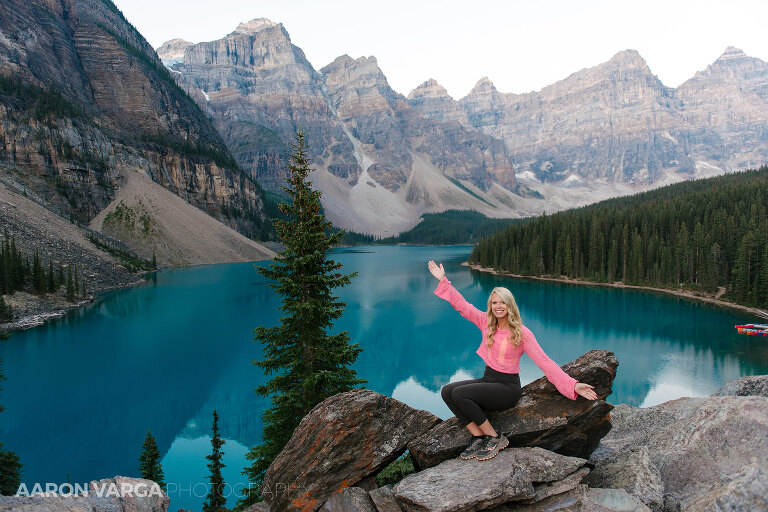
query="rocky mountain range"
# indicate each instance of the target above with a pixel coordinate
(380, 163)
(383, 159)
(617, 123)
(85, 100)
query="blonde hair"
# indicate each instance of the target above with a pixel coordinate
(513, 317)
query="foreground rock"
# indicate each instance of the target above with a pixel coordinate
(710, 453)
(543, 417)
(633, 471)
(581, 499)
(118, 494)
(756, 385)
(340, 442)
(512, 475)
(352, 499)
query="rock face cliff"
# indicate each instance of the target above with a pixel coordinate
(616, 123)
(380, 163)
(84, 97)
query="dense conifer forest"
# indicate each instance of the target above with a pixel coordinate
(699, 235)
(450, 227)
(17, 272)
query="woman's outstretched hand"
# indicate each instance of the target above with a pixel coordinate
(585, 390)
(438, 272)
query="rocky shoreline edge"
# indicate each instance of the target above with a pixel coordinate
(36, 311)
(40, 311)
(683, 294)
(689, 454)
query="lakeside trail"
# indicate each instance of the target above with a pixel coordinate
(712, 299)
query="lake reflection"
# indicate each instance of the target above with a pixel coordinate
(82, 392)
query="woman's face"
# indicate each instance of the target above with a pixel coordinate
(498, 307)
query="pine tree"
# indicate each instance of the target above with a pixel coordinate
(10, 464)
(18, 266)
(60, 276)
(70, 285)
(307, 364)
(154, 260)
(4, 268)
(215, 499)
(149, 461)
(6, 312)
(568, 265)
(10, 472)
(51, 277)
(38, 274)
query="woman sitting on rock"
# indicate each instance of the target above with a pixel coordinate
(505, 338)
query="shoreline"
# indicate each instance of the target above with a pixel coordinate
(683, 294)
(44, 316)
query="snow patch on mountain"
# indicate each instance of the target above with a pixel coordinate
(527, 176)
(573, 181)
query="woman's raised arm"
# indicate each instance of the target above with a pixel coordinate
(446, 291)
(438, 272)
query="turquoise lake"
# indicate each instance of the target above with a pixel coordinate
(81, 392)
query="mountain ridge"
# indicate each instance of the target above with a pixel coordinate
(368, 144)
(599, 132)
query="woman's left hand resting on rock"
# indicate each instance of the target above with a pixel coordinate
(585, 390)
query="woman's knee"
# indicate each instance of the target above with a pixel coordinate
(458, 394)
(517, 395)
(446, 393)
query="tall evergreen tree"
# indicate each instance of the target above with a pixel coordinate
(215, 499)
(38, 274)
(60, 275)
(6, 312)
(51, 284)
(10, 464)
(149, 461)
(70, 285)
(10, 472)
(307, 364)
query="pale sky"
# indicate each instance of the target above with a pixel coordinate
(520, 45)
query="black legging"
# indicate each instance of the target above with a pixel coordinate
(495, 390)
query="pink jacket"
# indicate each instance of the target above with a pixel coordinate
(502, 356)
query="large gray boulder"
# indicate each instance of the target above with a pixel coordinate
(261, 506)
(756, 385)
(384, 500)
(744, 490)
(697, 445)
(457, 485)
(118, 494)
(341, 441)
(633, 471)
(543, 417)
(581, 499)
(351, 499)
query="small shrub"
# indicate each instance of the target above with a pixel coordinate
(396, 470)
